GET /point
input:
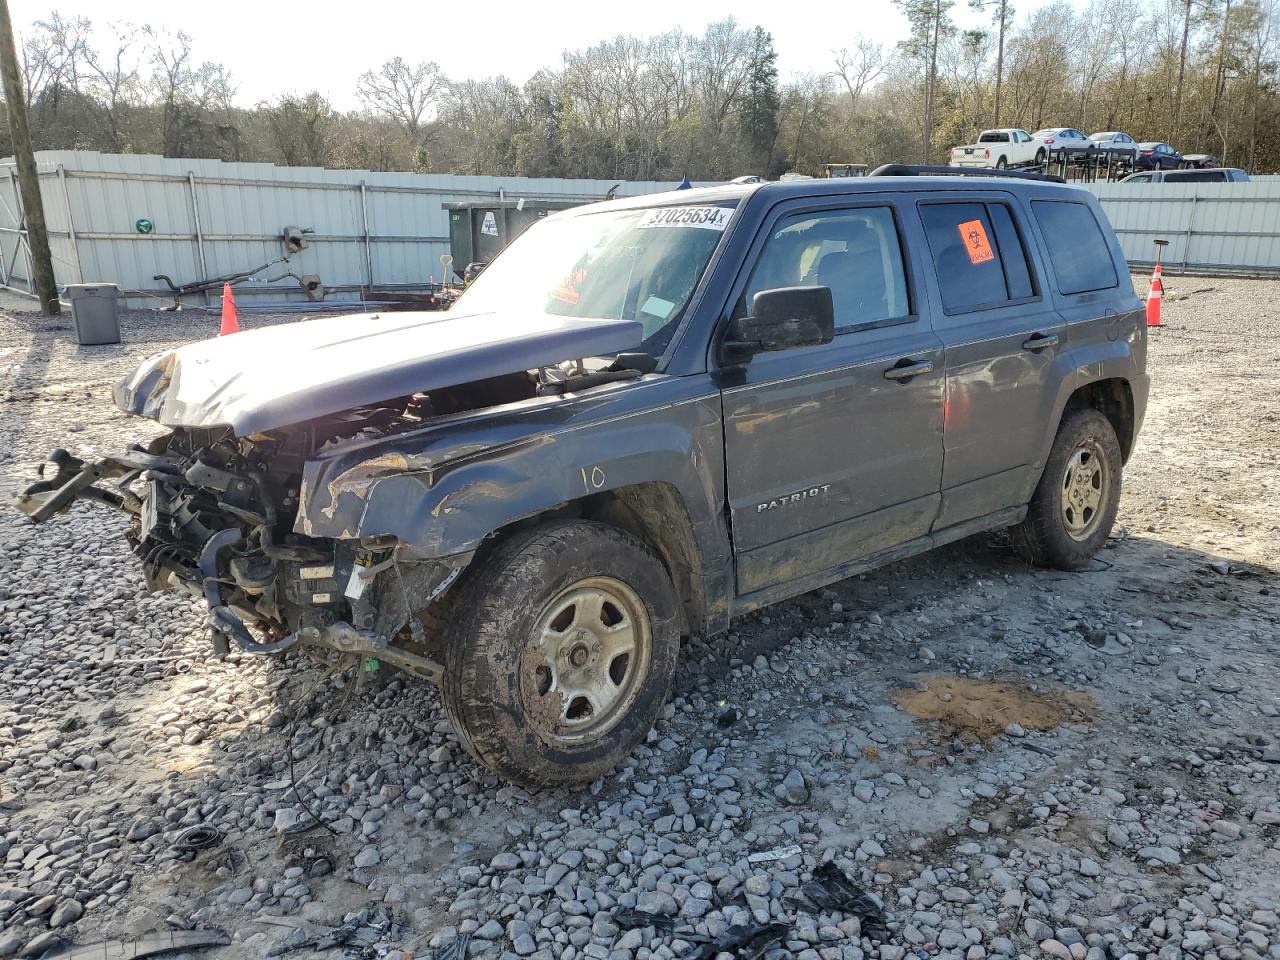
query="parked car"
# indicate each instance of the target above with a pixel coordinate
(1157, 156)
(1201, 161)
(1114, 142)
(1213, 175)
(1062, 138)
(646, 417)
(1002, 148)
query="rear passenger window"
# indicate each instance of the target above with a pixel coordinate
(1078, 248)
(978, 255)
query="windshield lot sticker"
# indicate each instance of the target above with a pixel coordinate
(976, 243)
(708, 218)
(657, 307)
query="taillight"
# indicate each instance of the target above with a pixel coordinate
(986, 154)
(1146, 153)
(1049, 140)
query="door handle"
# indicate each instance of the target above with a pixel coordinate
(1040, 341)
(908, 370)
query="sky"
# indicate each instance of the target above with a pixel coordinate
(272, 47)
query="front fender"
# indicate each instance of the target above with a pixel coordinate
(442, 503)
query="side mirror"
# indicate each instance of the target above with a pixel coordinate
(781, 319)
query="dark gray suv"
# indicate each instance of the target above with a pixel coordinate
(646, 417)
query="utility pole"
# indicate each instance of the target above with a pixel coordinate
(28, 176)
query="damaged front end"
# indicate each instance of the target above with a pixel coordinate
(213, 515)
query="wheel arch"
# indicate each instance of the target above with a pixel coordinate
(654, 512)
(1113, 398)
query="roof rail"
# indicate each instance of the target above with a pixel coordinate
(915, 170)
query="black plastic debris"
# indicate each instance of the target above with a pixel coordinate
(629, 918)
(360, 935)
(200, 837)
(744, 942)
(454, 949)
(727, 717)
(833, 890)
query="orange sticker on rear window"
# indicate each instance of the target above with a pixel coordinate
(976, 244)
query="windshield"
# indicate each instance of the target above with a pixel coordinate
(640, 265)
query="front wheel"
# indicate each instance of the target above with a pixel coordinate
(1074, 506)
(561, 652)
(1041, 156)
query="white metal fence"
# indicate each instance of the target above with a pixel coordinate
(208, 218)
(1211, 227)
(125, 219)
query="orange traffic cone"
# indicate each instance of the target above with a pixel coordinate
(230, 318)
(1154, 297)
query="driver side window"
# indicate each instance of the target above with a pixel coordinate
(856, 253)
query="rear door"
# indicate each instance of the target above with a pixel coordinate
(833, 452)
(1082, 273)
(1002, 339)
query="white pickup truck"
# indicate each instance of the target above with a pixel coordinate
(1007, 147)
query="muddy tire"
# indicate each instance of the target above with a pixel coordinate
(1041, 156)
(1074, 506)
(1001, 163)
(561, 653)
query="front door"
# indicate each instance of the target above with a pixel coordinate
(1004, 343)
(834, 452)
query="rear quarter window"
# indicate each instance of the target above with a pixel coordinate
(1078, 248)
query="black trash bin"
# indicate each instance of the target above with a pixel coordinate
(94, 310)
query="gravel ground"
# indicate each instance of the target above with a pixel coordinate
(1015, 762)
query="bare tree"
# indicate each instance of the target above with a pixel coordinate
(186, 91)
(404, 92)
(859, 68)
(114, 78)
(302, 128)
(52, 57)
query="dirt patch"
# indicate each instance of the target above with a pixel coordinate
(983, 709)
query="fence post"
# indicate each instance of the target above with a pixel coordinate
(195, 217)
(368, 248)
(71, 224)
(1186, 242)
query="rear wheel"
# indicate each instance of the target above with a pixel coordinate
(1074, 506)
(1001, 163)
(560, 653)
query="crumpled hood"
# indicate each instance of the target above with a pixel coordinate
(263, 379)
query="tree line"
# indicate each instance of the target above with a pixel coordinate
(1200, 74)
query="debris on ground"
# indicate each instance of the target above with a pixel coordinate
(833, 890)
(777, 853)
(150, 946)
(744, 942)
(629, 919)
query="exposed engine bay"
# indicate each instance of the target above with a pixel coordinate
(213, 515)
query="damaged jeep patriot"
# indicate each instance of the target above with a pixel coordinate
(644, 418)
